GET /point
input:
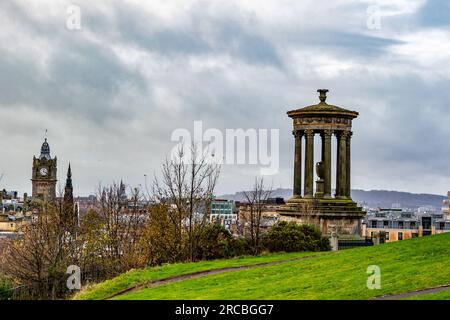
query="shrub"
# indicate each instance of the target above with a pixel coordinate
(292, 237)
(214, 243)
(241, 246)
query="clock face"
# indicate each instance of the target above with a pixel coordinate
(43, 172)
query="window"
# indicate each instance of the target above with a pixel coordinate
(412, 224)
(386, 223)
(374, 224)
(400, 236)
(442, 226)
(400, 224)
(426, 223)
(386, 235)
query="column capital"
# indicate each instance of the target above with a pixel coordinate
(345, 134)
(309, 133)
(297, 133)
(328, 133)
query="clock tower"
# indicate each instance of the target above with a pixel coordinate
(44, 175)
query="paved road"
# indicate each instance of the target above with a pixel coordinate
(414, 293)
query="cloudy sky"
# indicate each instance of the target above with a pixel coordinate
(111, 93)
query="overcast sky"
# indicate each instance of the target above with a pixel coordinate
(112, 93)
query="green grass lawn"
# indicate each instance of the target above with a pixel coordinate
(405, 266)
(137, 277)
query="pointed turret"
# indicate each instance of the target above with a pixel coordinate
(70, 215)
(45, 151)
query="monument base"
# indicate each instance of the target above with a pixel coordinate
(325, 213)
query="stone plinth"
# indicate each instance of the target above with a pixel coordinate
(344, 214)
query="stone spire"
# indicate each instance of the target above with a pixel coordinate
(69, 211)
(69, 179)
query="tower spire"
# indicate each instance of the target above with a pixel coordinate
(45, 149)
(70, 215)
(69, 178)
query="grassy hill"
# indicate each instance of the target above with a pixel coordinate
(406, 266)
(141, 277)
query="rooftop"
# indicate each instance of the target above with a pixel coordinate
(322, 108)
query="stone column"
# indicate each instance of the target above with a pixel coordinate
(309, 163)
(341, 176)
(338, 168)
(298, 164)
(348, 166)
(326, 158)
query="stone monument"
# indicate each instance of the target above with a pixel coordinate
(322, 208)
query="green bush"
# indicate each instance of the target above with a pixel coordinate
(214, 243)
(292, 237)
(240, 246)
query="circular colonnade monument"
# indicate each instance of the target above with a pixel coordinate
(321, 207)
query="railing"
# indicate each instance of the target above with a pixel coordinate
(354, 243)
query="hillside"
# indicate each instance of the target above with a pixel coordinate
(406, 266)
(372, 198)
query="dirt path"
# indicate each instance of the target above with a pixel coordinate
(414, 293)
(199, 274)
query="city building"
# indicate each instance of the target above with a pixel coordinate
(224, 212)
(14, 211)
(446, 209)
(84, 204)
(397, 224)
(269, 215)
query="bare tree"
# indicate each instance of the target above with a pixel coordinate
(108, 241)
(187, 188)
(257, 200)
(39, 259)
(119, 226)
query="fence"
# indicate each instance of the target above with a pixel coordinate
(354, 243)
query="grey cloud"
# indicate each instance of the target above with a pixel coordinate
(254, 89)
(82, 77)
(229, 33)
(435, 13)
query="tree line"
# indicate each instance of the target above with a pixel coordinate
(121, 234)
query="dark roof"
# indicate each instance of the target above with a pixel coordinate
(45, 150)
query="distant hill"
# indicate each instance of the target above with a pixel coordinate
(372, 198)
